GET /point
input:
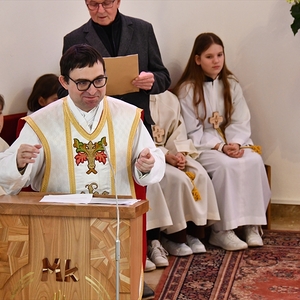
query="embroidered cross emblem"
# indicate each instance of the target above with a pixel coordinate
(90, 152)
(157, 133)
(216, 119)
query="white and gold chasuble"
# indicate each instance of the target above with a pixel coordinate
(77, 161)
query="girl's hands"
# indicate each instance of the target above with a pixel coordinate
(177, 160)
(233, 150)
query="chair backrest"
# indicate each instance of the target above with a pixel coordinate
(20, 125)
(9, 130)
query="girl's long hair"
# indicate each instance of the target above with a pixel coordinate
(194, 75)
(45, 86)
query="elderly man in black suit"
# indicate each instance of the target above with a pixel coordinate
(114, 34)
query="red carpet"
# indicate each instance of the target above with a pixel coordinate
(267, 273)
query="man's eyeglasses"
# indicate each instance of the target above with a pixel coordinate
(95, 5)
(84, 85)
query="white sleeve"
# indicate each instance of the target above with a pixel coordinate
(143, 140)
(10, 178)
(239, 131)
(194, 128)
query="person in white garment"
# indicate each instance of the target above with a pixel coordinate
(184, 201)
(3, 144)
(217, 120)
(66, 146)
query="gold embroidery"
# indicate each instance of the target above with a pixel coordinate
(216, 119)
(90, 152)
(157, 133)
(92, 187)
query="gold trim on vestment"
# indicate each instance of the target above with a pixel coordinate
(87, 136)
(112, 147)
(133, 130)
(69, 146)
(81, 131)
(46, 147)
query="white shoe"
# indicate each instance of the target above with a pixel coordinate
(150, 266)
(227, 240)
(253, 235)
(176, 249)
(195, 244)
(157, 254)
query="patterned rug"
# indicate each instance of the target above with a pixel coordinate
(270, 272)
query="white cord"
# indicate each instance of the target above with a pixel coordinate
(117, 247)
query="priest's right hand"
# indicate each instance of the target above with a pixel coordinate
(27, 154)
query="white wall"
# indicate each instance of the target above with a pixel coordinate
(260, 49)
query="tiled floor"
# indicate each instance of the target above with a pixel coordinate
(283, 217)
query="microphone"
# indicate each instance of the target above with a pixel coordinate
(117, 247)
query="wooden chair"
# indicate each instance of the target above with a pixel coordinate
(268, 213)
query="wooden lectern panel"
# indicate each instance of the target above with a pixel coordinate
(68, 257)
(14, 244)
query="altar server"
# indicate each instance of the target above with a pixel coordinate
(217, 119)
(184, 201)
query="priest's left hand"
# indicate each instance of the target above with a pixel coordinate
(145, 161)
